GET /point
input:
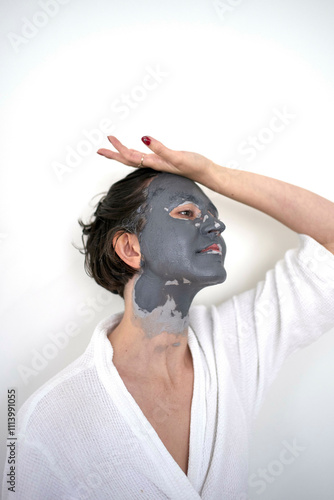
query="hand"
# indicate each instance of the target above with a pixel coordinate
(191, 165)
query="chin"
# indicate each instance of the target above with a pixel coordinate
(214, 279)
(217, 281)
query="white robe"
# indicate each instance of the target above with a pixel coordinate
(83, 436)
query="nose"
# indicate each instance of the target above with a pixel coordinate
(212, 225)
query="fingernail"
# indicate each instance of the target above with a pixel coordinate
(146, 140)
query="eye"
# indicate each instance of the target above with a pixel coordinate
(187, 211)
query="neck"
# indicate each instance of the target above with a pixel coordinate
(162, 305)
(152, 337)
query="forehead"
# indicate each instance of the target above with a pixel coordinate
(171, 190)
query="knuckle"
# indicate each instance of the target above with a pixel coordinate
(177, 161)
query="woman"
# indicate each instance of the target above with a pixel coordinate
(162, 403)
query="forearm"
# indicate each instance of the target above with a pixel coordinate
(297, 208)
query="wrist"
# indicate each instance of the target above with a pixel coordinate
(213, 176)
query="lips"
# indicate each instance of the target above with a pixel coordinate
(214, 248)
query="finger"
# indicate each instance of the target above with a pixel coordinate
(159, 149)
(134, 161)
(131, 155)
(134, 158)
(117, 144)
(107, 153)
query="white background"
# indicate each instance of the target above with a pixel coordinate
(222, 71)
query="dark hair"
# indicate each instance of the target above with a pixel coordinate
(120, 210)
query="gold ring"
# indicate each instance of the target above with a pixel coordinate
(141, 162)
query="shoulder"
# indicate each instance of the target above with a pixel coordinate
(74, 394)
(56, 397)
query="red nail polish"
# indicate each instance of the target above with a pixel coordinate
(146, 140)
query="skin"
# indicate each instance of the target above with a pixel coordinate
(299, 209)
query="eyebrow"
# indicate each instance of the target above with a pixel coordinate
(189, 197)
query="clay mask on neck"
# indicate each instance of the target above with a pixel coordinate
(182, 252)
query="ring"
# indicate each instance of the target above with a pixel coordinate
(141, 162)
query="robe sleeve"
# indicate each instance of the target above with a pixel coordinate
(291, 308)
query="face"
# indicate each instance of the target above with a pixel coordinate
(182, 240)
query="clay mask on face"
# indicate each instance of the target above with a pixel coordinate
(181, 246)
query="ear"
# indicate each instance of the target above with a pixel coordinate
(127, 247)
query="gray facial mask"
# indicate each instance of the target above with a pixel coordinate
(182, 252)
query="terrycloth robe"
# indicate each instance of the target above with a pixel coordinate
(83, 436)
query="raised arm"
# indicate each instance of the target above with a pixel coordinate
(297, 208)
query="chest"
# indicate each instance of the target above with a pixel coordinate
(169, 413)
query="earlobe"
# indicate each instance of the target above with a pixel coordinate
(127, 247)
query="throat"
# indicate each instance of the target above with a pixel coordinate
(163, 318)
(162, 306)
